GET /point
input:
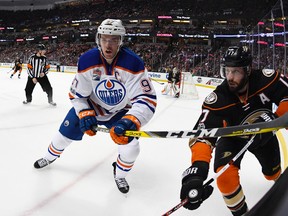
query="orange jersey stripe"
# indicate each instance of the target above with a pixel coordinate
(220, 108)
(150, 101)
(129, 71)
(89, 68)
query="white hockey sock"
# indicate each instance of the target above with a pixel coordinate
(57, 146)
(122, 168)
(126, 158)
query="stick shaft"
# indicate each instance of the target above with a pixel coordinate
(157, 81)
(239, 130)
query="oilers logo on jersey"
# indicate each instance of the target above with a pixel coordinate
(110, 92)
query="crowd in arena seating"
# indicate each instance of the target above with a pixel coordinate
(159, 54)
(64, 53)
(197, 59)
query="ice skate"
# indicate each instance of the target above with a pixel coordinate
(52, 103)
(42, 162)
(26, 102)
(120, 182)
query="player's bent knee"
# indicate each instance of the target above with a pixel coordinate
(274, 176)
(229, 181)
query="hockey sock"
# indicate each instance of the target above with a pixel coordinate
(57, 146)
(122, 167)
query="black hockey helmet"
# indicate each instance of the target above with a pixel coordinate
(41, 47)
(237, 56)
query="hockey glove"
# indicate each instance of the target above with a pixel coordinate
(128, 122)
(88, 121)
(192, 185)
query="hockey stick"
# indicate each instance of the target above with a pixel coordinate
(157, 81)
(221, 171)
(239, 130)
(10, 71)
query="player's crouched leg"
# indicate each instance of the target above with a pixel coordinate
(229, 185)
(269, 157)
(275, 176)
(55, 149)
(68, 132)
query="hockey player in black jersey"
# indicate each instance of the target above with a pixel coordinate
(173, 83)
(245, 96)
(17, 67)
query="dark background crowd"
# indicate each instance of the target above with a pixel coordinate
(188, 34)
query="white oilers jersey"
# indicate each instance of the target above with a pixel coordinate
(109, 89)
(109, 93)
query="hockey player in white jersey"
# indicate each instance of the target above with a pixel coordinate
(111, 88)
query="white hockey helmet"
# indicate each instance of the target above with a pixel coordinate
(111, 27)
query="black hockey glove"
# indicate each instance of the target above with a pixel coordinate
(192, 185)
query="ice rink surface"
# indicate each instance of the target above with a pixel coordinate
(81, 182)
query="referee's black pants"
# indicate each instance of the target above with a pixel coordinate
(45, 84)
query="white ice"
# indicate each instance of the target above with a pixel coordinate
(81, 182)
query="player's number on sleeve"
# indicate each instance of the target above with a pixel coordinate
(204, 114)
(146, 85)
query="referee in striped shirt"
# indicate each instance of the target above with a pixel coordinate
(37, 68)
